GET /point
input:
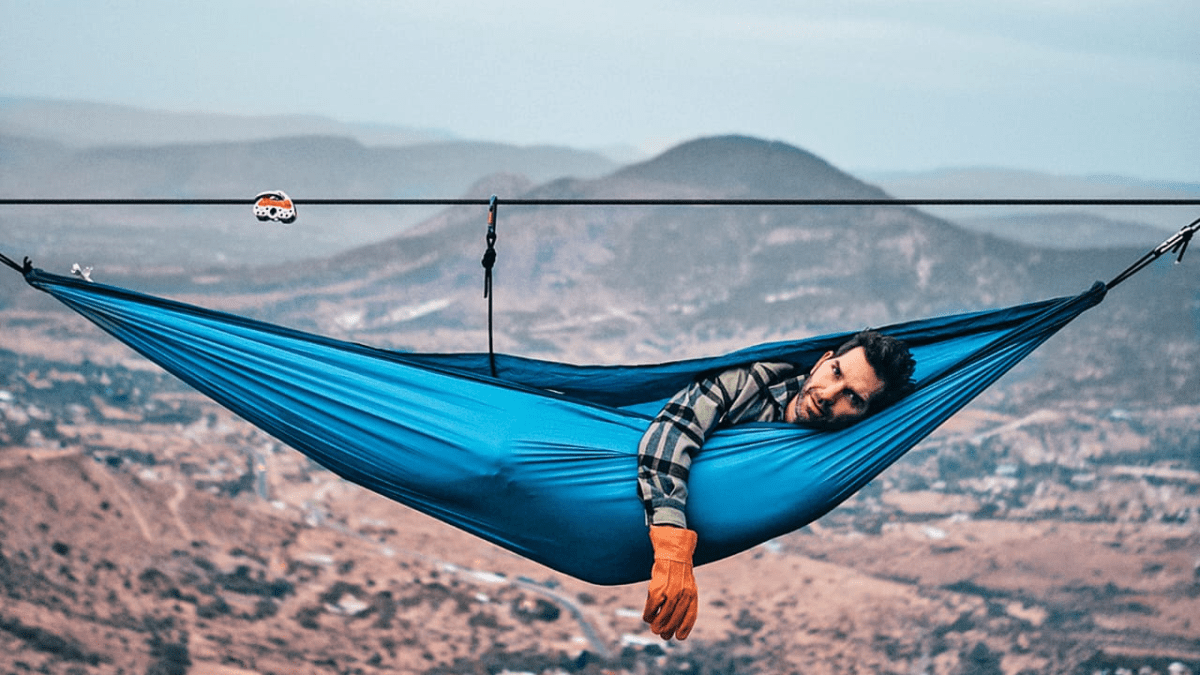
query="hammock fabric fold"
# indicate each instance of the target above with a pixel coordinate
(542, 459)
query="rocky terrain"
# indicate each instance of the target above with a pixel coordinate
(1051, 527)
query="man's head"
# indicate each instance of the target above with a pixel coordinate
(864, 375)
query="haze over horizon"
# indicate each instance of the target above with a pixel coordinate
(1063, 87)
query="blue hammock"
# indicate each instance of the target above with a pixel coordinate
(542, 459)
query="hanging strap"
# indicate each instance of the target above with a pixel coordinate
(1177, 244)
(26, 269)
(489, 261)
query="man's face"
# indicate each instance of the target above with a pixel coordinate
(838, 391)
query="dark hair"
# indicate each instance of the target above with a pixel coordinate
(890, 359)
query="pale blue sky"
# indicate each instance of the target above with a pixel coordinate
(1064, 86)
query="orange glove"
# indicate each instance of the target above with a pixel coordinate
(673, 601)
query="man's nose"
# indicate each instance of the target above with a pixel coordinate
(827, 397)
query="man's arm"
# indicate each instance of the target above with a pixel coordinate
(664, 463)
(679, 430)
(666, 449)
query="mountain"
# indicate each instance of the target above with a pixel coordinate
(743, 167)
(85, 124)
(709, 264)
(311, 166)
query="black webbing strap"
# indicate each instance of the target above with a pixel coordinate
(1176, 244)
(489, 261)
(11, 263)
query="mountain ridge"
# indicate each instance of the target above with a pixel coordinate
(83, 124)
(742, 166)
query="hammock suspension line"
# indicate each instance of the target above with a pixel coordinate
(489, 261)
(1176, 244)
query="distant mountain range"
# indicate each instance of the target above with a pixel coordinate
(83, 124)
(76, 149)
(86, 124)
(1060, 227)
(305, 166)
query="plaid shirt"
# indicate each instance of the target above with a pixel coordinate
(758, 393)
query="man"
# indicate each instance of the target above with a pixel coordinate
(864, 375)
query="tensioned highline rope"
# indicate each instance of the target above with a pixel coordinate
(607, 202)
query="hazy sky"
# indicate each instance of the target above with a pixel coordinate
(1068, 86)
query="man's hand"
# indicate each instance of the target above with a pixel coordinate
(672, 602)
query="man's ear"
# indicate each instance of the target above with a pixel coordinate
(824, 357)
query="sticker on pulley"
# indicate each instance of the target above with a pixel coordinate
(274, 205)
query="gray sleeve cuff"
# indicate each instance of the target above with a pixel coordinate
(668, 516)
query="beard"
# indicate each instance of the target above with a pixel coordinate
(812, 415)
